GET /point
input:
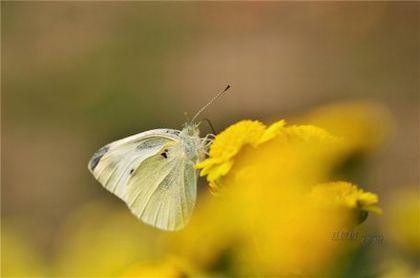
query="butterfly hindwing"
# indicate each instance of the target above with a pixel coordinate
(162, 191)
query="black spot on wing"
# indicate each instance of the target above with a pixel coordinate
(94, 161)
(172, 131)
(165, 153)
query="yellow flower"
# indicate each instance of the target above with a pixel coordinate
(346, 195)
(230, 142)
(241, 135)
(363, 125)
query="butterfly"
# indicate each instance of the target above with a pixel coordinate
(153, 172)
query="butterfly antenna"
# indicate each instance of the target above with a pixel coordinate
(209, 103)
(210, 124)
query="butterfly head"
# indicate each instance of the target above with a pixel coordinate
(192, 143)
(190, 130)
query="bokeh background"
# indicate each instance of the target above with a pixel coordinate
(76, 76)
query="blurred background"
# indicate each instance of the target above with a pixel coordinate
(76, 76)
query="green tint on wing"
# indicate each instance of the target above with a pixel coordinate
(162, 192)
(114, 164)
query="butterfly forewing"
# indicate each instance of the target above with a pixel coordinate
(112, 164)
(149, 172)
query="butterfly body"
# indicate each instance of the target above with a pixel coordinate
(153, 173)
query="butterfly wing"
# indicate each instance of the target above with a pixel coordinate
(113, 164)
(159, 189)
(168, 199)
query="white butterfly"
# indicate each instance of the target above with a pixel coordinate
(153, 172)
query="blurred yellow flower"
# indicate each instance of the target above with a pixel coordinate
(170, 267)
(403, 223)
(344, 194)
(398, 267)
(20, 258)
(102, 240)
(363, 125)
(272, 180)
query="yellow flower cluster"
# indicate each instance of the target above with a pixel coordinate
(276, 199)
(253, 134)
